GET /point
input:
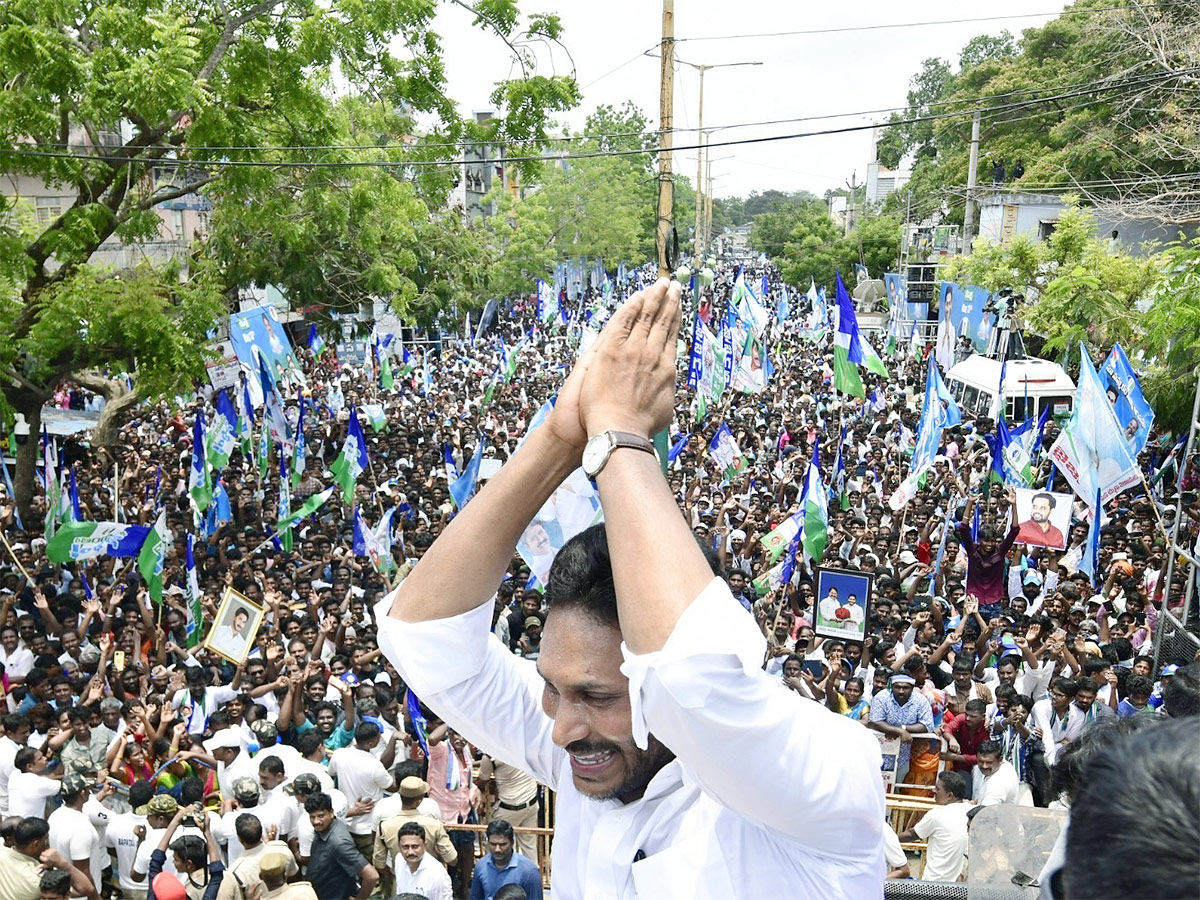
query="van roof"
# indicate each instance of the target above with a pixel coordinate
(1041, 375)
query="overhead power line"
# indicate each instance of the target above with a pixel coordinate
(167, 162)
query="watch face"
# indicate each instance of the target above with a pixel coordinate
(594, 453)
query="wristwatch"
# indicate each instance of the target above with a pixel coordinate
(601, 446)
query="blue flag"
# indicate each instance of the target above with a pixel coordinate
(953, 415)
(1130, 406)
(76, 516)
(677, 447)
(420, 725)
(1091, 550)
(463, 488)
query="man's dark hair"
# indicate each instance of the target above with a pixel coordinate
(1139, 685)
(140, 793)
(510, 892)
(365, 732)
(962, 665)
(191, 850)
(988, 748)
(56, 882)
(191, 790)
(1086, 684)
(416, 829)
(954, 783)
(501, 828)
(1066, 685)
(318, 802)
(1181, 693)
(1111, 838)
(14, 722)
(24, 758)
(249, 829)
(273, 765)
(581, 576)
(308, 742)
(31, 829)
(976, 706)
(1042, 495)
(407, 767)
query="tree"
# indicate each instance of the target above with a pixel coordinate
(129, 103)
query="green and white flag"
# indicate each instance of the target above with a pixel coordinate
(91, 540)
(195, 600)
(770, 580)
(199, 477)
(777, 540)
(386, 379)
(153, 555)
(816, 510)
(847, 348)
(727, 454)
(352, 461)
(871, 359)
(375, 416)
(304, 510)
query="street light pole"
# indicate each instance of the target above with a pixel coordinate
(665, 107)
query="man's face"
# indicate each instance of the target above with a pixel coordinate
(588, 698)
(8, 640)
(974, 719)
(988, 763)
(412, 848)
(737, 581)
(1007, 673)
(323, 818)
(326, 720)
(902, 691)
(1141, 667)
(240, 618)
(1084, 698)
(501, 848)
(269, 780)
(257, 674)
(1039, 510)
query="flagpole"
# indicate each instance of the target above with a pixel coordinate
(116, 490)
(8, 547)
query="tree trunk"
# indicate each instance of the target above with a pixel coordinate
(27, 456)
(118, 401)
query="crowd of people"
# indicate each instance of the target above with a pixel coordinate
(137, 763)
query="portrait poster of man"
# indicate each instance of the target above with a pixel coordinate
(843, 600)
(234, 629)
(1044, 518)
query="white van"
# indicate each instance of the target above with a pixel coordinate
(1030, 386)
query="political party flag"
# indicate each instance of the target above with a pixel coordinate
(375, 416)
(463, 487)
(510, 365)
(386, 380)
(73, 490)
(677, 447)
(284, 540)
(944, 349)
(770, 580)
(916, 345)
(870, 358)
(784, 308)
(754, 367)
(304, 510)
(696, 359)
(928, 440)
(264, 451)
(195, 601)
(1092, 451)
(408, 363)
(352, 460)
(199, 478)
(786, 532)
(816, 510)
(315, 343)
(724, 450)
(764, 286)
(219, 511)
(847, 348)
(701, 408)
(953, 414)
(451, 466)
(1091, 549)
(789, 563)
(860, 273)
(91, 540)
(837, 490)
(300, 450)
(426, 375)
(547, 303)
(153, 554)
(1131, 409)
(420, 724)
(222, 437)
(374, 544)
(816, 315)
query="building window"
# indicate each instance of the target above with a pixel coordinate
(48, 209)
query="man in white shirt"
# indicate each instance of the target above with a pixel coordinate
(420, 874)
(121, 836)
(28, 788)
(73, 833)
(643, 649)
(361, 777)
(200, 700)
(300, 788)
(995, 779)
(16, 733)
(944, 828)
(15, 661)
(273, 821)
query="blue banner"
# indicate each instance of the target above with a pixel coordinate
(258, 334)
(1125, 391)
(966, 312)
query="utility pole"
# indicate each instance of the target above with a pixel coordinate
(698, 255)
(973, 166)
(665, 113)
(850, 202)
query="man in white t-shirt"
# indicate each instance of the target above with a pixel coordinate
(16, 733)
(121, 836)
(159, 812)
(73, 833)
(361, 777)
(300, 789)
(274, 820)
(995, 779)
(944, 828)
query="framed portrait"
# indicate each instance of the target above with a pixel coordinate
(235, 627)
(842, 605)
(1044, 518)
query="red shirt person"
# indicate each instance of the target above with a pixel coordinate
(964, 733)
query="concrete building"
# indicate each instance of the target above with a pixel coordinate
(1003, 216)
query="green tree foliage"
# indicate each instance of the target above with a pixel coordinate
(124, 104)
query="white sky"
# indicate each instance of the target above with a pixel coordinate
(801, 75)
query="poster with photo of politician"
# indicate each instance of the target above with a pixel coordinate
(843, 601)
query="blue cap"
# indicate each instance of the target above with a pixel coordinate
(1168, 670)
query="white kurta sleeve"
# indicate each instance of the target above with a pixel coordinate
(751, 744)
(487, 694)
